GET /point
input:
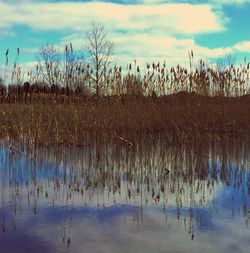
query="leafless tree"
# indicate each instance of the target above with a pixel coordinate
(99, 49)
(49, 60)
(73, 64)
(60, 66)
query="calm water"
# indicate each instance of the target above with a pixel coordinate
(116, 198)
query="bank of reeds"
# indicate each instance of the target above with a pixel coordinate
(178, 103)
(76, 81)
(178, 118)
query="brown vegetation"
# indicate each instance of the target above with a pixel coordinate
(177, 118)
(64, 100)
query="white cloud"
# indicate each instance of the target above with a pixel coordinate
(153, 47)
(170, 17)
(243, 46)
(144, 32)
(175, 51)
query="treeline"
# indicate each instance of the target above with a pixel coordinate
(28, 92)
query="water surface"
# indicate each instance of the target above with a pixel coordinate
(110, 197)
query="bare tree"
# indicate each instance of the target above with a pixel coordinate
(49, 60)
(99, 49)
(73, 64)
(60, 67)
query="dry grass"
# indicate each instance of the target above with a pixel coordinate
(178, 118)
(177, 103)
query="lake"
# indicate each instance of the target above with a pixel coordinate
(109, 196)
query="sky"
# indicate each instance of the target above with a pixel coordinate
(141, 30)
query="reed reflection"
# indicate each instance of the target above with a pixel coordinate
(187, 181)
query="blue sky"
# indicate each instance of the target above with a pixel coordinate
(145, 30)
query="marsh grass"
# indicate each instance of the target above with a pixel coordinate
(178, 118)
(178, 103)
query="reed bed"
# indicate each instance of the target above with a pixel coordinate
(179, 103)
(177, 118)
(69, 76)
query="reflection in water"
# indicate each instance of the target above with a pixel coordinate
(109, 197)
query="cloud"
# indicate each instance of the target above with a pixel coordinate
(146, 31)
(169, 17)
(243, 46)
(146, 47)
(160, 48)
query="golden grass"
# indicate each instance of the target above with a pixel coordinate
(178, 118)
(177, 103)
